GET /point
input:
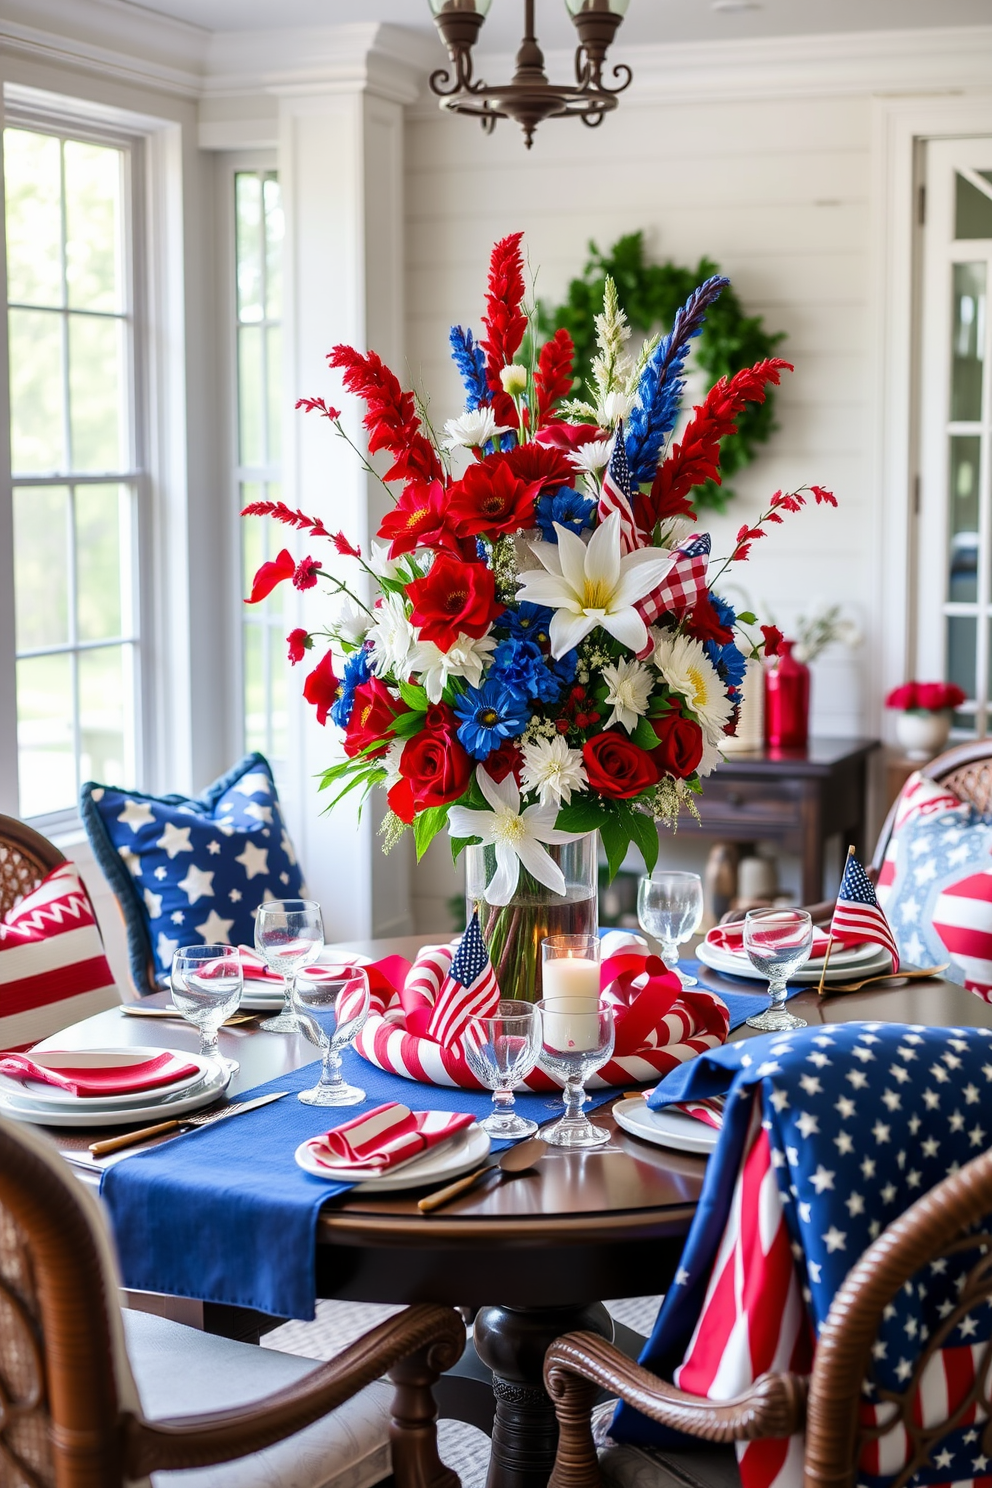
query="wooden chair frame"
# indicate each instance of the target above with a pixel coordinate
(26, 857)
(96, 1441)
(827, 1403)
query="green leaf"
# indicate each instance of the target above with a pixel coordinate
(645, 833)
(426, 827)
(407, 724)
(616, 840)
(414, 696)
(644, 735)
(459, 844)
(746, 618)
(581, 815)
(368, 778)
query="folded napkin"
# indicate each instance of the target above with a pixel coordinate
(731, 938)
(385, 1137)
(114, 1079)
(708, 1111)
(256, 969)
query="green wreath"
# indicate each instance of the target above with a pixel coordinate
(650, 294)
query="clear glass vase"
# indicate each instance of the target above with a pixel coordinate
(513, 932)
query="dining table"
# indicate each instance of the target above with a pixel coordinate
(529, 1258)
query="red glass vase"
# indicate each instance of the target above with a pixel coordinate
(786, 701)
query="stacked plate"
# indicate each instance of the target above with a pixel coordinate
(847, 964)
(666, 1128)
(46, 1105)
(467, 1149)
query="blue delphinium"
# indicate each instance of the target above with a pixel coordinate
(528, 622)
(356, 671)
(489, 714)
(729, 662)
(471, 363)
(568, 508)
(523, 668)
(566, 666)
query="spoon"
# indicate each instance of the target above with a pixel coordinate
(514, 1160)
(891, 976)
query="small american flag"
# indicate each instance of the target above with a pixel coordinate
(470, 990)
(685, 583)
(858, 916)
(615, 495)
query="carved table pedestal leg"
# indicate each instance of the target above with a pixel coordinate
(512, 1342)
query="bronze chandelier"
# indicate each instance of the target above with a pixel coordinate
(529, 97)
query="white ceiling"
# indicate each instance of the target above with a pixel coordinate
(647, 20)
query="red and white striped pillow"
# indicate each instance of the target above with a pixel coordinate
(53, 970)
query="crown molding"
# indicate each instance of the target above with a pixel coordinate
(111, 38)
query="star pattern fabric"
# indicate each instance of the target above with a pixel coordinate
(193, 871)
(843, 1127)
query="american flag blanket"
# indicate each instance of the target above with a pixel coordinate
(829, 1134)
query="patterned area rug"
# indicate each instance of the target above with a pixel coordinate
(463, 1448)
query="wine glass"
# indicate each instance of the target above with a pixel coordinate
(670, 907)
(289, 934)
(206, 988)
(334, 1009)
(777, 942)
(501, 1051)
(576, 1040)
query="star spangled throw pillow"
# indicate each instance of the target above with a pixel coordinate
(192, 871)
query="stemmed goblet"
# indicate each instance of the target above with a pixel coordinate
(777, 942)
(670, 907)
(501, 1051)
(206, 988)
(576, 1040)
(333, 1009)
(289, 934)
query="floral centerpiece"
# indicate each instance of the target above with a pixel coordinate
(533, 651)
(924, 715)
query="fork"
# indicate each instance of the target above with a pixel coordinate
(891, 976)
(180, 1124)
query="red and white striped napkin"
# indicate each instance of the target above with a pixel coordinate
(255, 969)
(112, 1079)
(731, 938)
(385, 1137)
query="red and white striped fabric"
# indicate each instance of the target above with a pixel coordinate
(753, 1319)
(53, 970)
(731, 938)
(615, 495)
(946, 1382)
(381, 1139)
(469, 990)
(962, 918)
(918, 797)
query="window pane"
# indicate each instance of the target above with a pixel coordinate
(100, 531)
(93, 226)
(969, 340)
(966, 452)
(961, 652)
(41, 566)
(250, 395)
(34, 217)
(278, 717)
(248, 227)
(36, 423)
(95, 393)
(972, 209)
(253, 535)
(272, 206)
(255, 698)
(275, 398)
(105, 709)
(46, 761)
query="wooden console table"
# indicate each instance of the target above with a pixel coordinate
(796, 798)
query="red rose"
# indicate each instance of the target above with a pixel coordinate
(936, 696)
(453, 598)
(321, 687)
(773, 639)
(372, 717)
(419, 520)
(904, 697)
(435, 769)
(680, 745)
(499, 762)
(299, 644)
(490, 498)
(616, 767)
(271, 574)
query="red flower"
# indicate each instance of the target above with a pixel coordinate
(570, 436)
(703, 623)
(454, 598)
(299, 643)
(434, 767)
(321, 687)
(936, 696)
(617, 767)
(419, 519)
(306, 573)
(391, 417)
(499, 762)
(680, 745)
(903, 697)
(773, 639)
(553, 378)
(504, 320)
(490, 498)
(372, 717)
(346, 548)
(269, 575)
(538, 462)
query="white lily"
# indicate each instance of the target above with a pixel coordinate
(393, 638)
(516, 835)
(380, 562)
(474, 428)
(466, 658)
(349, 622)
(590, 585)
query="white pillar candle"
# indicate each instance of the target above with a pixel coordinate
(571, 1023)
(571, 976)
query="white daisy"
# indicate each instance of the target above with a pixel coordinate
(711, 758)
(688, 671)
(592, 457)
(466, 658)
(629, 685)
(349, 622)
(516, 835)
(553, 770)
(393, 638)
(474, 428)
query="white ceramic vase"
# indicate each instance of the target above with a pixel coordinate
(922, 733)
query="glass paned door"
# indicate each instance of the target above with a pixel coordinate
(73, 459)
(954, 573)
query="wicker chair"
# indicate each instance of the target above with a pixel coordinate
(825, 1405)
(89, 1396)
(25, 859)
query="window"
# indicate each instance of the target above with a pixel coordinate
(258, 279)
(955, 563)
(74, 461)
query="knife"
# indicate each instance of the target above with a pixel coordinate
(179, 1124)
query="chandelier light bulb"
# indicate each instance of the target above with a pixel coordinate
(478, 7)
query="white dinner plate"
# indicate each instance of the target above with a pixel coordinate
(36, 1091)
(465, 1150)
(259, 1001)
(214, 1085)
(877, 962)
(665, 1128)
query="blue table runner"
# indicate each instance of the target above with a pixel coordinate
(224, 1214)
